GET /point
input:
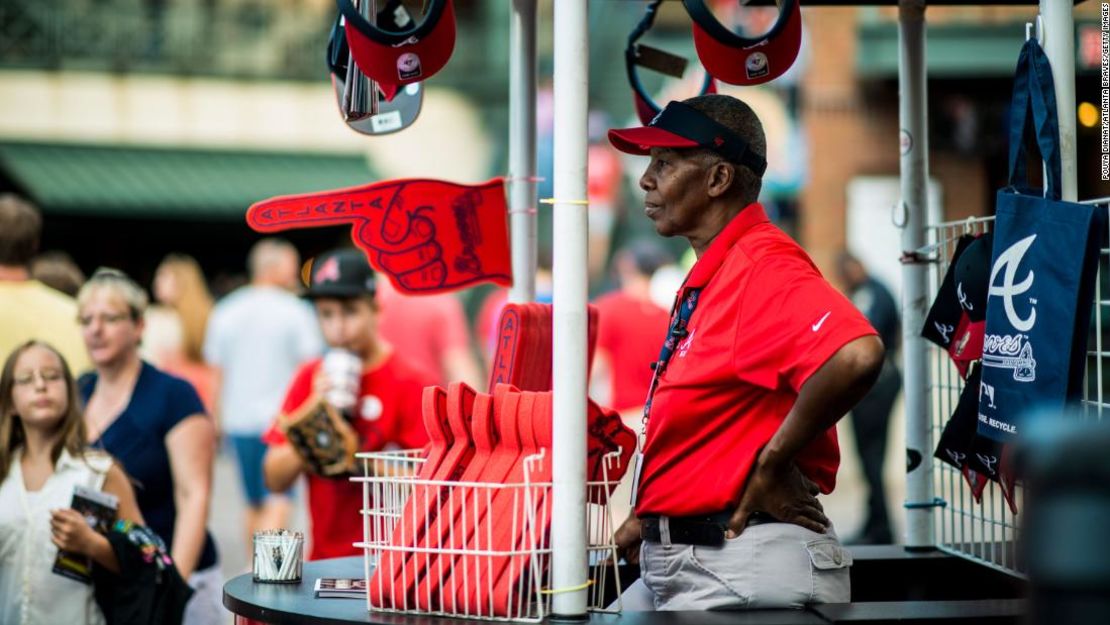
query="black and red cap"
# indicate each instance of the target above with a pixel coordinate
(745, 60)
(341, 274)
(680, 126)
(396, 58)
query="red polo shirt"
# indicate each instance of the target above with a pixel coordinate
(387, 415)
(765, 321)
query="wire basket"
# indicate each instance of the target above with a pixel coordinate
(986, 531)
(471, 549)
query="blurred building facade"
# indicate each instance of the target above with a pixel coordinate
(850, 113)
(145, 126)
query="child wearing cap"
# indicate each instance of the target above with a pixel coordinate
(382, 409)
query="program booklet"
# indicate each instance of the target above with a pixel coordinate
(343, 588)
(99, 510)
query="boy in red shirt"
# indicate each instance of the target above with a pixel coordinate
(385, 412)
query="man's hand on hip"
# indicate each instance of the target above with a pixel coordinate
(627, 538)
(782, 492)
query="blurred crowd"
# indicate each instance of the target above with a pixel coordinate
(112, 387)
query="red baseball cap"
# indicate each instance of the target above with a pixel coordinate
(680, 125)
(741, 60)
(397, 58)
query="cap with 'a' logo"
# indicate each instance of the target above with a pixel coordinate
(343, 274)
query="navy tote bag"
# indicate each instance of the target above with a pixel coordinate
(1043, 268)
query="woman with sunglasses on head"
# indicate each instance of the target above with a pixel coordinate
(43, 458)
(156, 425)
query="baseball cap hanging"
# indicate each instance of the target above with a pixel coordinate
(363, 106)
(971, 275)
(397, 58)
(636, 54)
(746, 60)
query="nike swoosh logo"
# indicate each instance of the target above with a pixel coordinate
(821, 321)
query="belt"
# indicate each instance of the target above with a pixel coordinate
(703, 530)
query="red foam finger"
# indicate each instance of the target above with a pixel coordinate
(606, 434)
(411, 259)
(539, 363)
(507, 352)
(460, 406)
(505, 521)
(350, 205)
(466, 223)
(389, 587)
(458, 515)
(516, 570)
(434, 273)
(477, 507)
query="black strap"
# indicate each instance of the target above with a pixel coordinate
(705, 19)
(686, 121)
(393, 38)
(1033, 116)
(680, 318)
(630, 58)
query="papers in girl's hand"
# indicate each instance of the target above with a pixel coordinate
(99, 510)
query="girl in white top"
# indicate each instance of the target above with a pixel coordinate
(42, 459)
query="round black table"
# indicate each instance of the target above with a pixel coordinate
(294, 604)
(281, 604)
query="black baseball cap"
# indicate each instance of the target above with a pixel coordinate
(973, 275)
(343, 273)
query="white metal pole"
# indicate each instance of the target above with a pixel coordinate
(568, 525)
(914, 142)
(1059, 46)
(522, 148)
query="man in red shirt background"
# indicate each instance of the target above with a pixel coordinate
(762, 358)
(629, 327)
(431, 331)
(385, 412)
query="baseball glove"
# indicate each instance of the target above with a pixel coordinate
(323, 438)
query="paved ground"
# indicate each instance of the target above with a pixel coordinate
(845, 506)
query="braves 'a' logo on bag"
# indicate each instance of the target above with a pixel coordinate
(988, 391)
(1010, 260)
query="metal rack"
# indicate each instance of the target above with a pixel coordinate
(439, 539)
(987, 532)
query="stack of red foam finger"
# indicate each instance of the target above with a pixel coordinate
(466, 541)
(523, 354)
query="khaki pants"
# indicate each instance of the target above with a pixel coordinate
(772, 565)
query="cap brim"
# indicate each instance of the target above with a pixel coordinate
(336, 291)
(393, 114)
(730, 64)
(642, 140)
